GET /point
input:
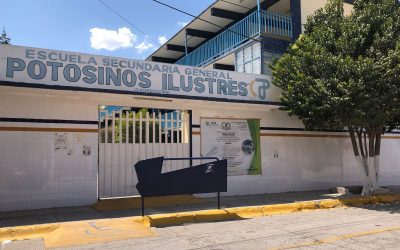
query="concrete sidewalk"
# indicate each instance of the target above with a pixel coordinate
(71, 226)
(68, 214)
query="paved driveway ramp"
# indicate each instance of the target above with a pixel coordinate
(80, 232)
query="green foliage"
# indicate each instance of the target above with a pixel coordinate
(344, 71)
(4, 39)
(159, 127)
(137, 126)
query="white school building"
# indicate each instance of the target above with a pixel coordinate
(73, 125)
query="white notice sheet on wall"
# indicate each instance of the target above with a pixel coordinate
(234, 140)
(60, 141)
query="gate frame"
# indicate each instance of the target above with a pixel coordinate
(190, 113)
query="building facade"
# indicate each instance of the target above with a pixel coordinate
(73, 125)
(241, 36)
(246, 36)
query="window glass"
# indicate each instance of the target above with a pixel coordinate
(248, 67)
(239, 68)
(249, 59)
(248, 55)
(239, 61)
(257, 66)
(256, 50)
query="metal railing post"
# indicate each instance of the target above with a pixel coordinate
(142, 198)
(219, 201)
(251, 26)
(259, 17)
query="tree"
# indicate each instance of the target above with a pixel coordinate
(4, 39)
(344, 73)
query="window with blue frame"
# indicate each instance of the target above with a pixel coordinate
(248, 59)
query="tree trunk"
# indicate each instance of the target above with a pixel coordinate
(372, 172)
(367, 156)
(378, 153)
(367, 184)
(371, 159)
(360, 159)
(377, 168)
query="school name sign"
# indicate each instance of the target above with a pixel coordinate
(78, 71)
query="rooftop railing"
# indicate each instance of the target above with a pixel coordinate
(252, 26)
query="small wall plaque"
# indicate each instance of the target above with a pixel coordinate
(86, 150)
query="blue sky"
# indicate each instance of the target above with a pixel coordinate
(90, 27)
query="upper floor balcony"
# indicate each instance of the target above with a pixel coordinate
(252, 27)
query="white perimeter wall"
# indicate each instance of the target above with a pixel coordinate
(306, 160)
(35, 175)
(32, 173)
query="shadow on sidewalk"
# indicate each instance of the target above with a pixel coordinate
(392, 207)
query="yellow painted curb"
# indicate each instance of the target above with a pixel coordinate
(213, 215)
(26, 232)
(80, 232)
(135, 202)
(93, 231)
(162, 220)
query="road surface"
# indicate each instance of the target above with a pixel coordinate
(370, 227)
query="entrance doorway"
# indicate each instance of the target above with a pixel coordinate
(128, 135)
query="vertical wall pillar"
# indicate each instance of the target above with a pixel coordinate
(259, 16)
(186, 49)
(295, 11)
(262, 55)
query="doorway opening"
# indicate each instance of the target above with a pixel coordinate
(130, 134)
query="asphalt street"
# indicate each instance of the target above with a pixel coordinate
(368, 227)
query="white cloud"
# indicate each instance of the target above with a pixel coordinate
(143, 46)
(162, 40)
(182, 24)
(112, 39)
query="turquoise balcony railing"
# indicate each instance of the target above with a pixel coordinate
(252, 26)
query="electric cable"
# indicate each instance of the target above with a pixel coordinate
(242, 5)
(236, 4)
(219, 26)
(127, 21)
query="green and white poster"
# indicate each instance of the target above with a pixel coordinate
(237, 140)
